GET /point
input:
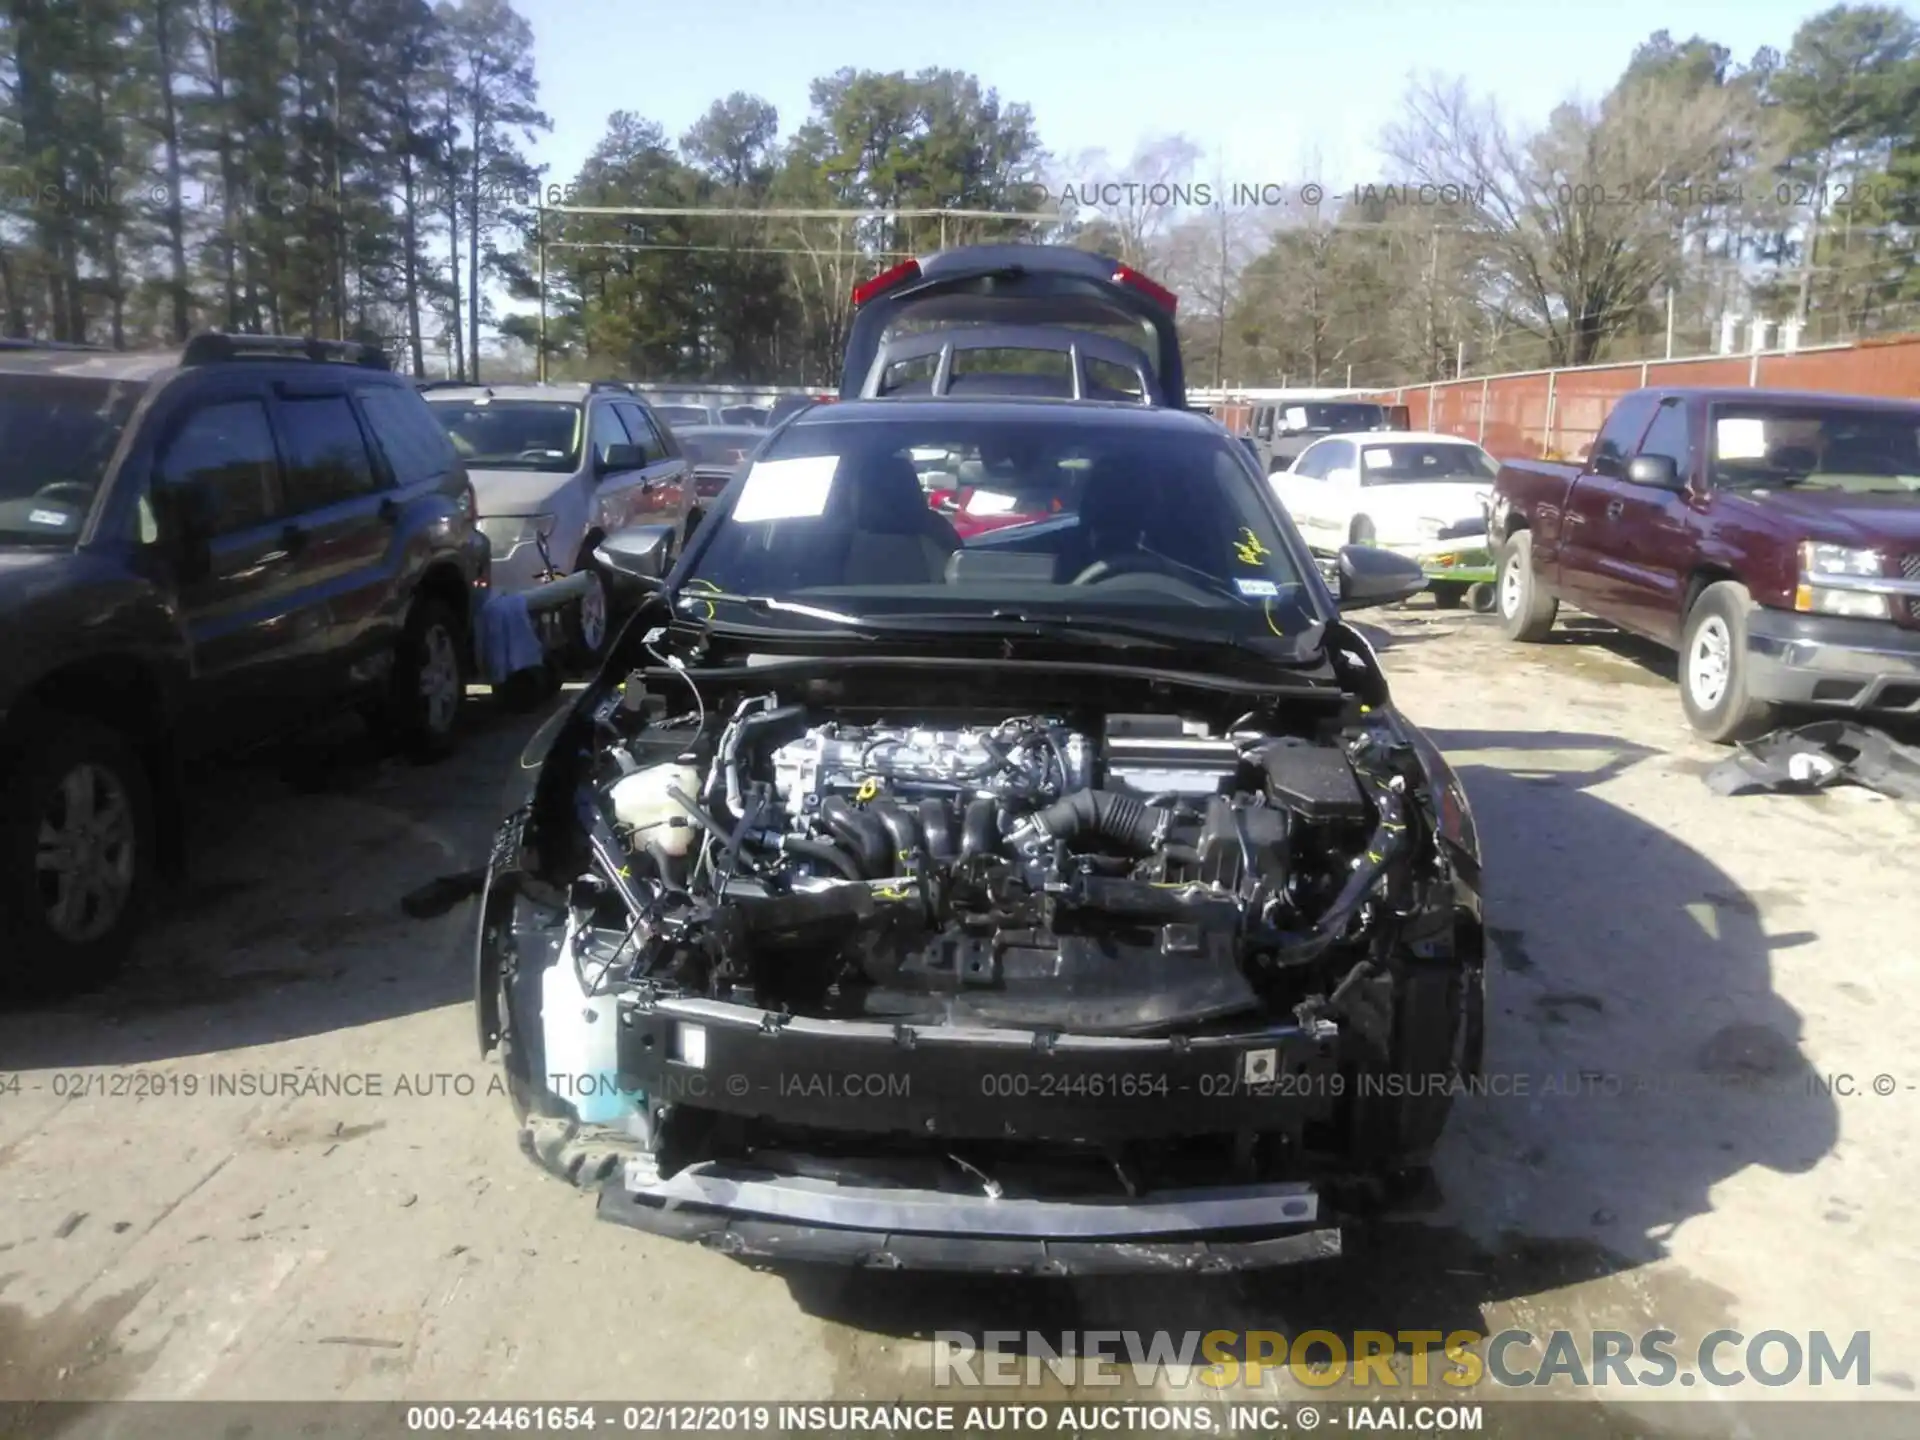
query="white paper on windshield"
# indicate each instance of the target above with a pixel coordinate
(46, 517)
(1378, 459)
(1257, 589)
(991, 502)
(1296, 417)
(786, 489)
(1740, 439)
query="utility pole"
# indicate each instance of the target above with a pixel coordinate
(540, 234)
(1669, 322)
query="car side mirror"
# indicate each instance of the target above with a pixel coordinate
(636, 557)
(1656, 471)
(1370, 576)
(622, 457)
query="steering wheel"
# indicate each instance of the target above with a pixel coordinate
(1145, 562)
(75, 490)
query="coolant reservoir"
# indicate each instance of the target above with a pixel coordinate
(641, 802)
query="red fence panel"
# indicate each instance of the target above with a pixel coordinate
(1556, 414)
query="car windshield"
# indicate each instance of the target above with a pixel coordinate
(58, 433)
(682, 414)
(1808, 447)
(1422, 462)
(513, 434)
(1331, 418)
(713, 448)
(1160, 523)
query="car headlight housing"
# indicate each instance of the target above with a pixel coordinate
(1830, 577)
(505, 532)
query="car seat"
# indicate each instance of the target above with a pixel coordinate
(895, 538)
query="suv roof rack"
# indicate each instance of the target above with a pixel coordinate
(620, 385)
(448, 385)
(211, 347)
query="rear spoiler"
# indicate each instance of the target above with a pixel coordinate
(1016, 286)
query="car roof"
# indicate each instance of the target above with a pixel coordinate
(753, 431)
(1743, 394)
(1090, 414)
(1394, 437)
(555, 394)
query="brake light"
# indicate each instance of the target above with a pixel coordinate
(886, 280)
(1152, 289)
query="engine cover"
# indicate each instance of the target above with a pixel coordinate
(1019, 761)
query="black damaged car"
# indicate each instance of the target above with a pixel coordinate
(1071, 899)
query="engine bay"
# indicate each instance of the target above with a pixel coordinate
(1113, 873)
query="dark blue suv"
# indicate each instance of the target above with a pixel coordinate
(202, 549)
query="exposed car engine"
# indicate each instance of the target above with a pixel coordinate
(1116, 873)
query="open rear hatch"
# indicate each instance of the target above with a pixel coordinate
(1054, 302)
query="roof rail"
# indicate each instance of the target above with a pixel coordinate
(11, 342)
(448, 385)
(620, 385)
(211, 347)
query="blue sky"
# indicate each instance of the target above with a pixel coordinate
(1275, 92)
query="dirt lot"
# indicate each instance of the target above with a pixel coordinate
(161, 1240)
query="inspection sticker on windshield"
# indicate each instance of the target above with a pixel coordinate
(786, 489)
(1378, 459)
(1741, 439)
(1257, 589)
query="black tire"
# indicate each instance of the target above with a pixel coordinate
(588, 633)
(1727, 714)
(1527, 612)
(1483, 597)
(1448, 594)
(42, 958)
(423, 725)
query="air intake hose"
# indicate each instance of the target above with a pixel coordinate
(860, 832)
(1095, 814)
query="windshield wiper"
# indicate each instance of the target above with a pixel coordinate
(1012, 624)
(765, 604)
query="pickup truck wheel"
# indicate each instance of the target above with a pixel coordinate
(1448, 595)
(1527, 612)
(1713, 668)
(429, 687)
(76, 859)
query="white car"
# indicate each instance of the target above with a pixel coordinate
(1421, 493)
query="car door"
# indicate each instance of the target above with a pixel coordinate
(247, 618)
(343, 520)
(421, 465)
(1587, 532)
(1647, 560)
(616, 493)
(664, 481)
(1297, 488)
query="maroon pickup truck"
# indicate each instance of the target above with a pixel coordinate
(1771, 537)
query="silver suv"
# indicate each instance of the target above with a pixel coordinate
(554, 468)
